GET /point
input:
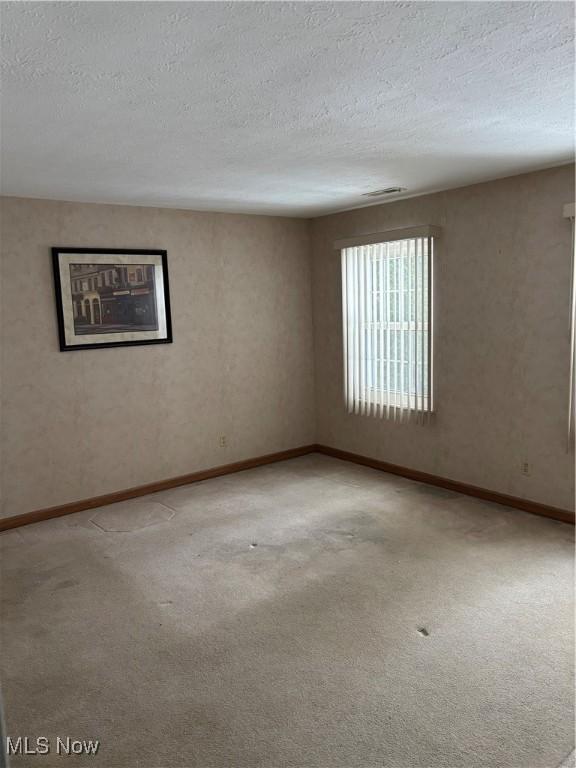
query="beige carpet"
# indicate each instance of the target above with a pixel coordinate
(311, 613)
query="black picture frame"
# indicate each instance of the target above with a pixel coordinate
(159, 305)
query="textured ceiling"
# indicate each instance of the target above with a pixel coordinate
(278, 107)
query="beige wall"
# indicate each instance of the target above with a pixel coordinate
(502, 342)
(84, 423)
(79, 424)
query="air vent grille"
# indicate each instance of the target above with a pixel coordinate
(387, 191)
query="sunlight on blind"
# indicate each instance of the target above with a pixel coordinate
(387, 313)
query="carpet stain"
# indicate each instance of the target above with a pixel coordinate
(66, 584)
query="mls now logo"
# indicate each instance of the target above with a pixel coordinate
(25, 745)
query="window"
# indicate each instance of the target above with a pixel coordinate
(387, 315)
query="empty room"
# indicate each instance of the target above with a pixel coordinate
(287, 384)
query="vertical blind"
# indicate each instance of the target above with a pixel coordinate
(387, 296)
(570, 213)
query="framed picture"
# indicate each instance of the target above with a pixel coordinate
(111, 297)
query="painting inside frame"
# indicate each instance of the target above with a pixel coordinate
(113, 298)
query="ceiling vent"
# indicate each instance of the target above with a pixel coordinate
(387, 191)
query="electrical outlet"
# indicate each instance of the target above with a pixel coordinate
(223, 441)
(525, 468)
